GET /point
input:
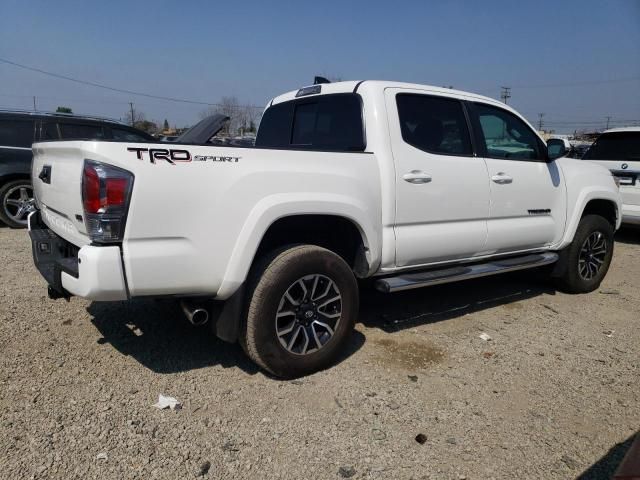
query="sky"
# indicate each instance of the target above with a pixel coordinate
(575, 61)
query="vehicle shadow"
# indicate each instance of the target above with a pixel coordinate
(421, 306)
(628, 235)
(607, 465)
(157, 335)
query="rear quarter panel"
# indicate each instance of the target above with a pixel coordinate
(193, 227)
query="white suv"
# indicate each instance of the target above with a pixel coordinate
(619, 151)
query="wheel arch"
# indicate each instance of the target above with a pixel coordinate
(361, 254)
(339, 234)
(600, 202)
(604, 208)
(305, 221)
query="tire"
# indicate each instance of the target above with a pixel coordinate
(579, 273)
(310, 276)
(16, 202)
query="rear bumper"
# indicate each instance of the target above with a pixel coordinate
(91, 272)
(631, 214)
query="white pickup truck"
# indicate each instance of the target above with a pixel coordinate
(409, 184)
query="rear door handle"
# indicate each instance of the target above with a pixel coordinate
(417, 177)
(502, 178)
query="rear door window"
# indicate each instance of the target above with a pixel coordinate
(434, 124)
(615, 146)
(327, 122)
(16, 133)
(79, 131)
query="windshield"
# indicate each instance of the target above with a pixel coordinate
(615, 146)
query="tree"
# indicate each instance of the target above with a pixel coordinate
(146, 126)
(165, 125)
(229, 107)
(64, 110)
(138, 120)
(133, 116)
(243, 117)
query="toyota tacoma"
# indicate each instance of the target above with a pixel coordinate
(408, 185)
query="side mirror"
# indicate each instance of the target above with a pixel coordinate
(556, 148)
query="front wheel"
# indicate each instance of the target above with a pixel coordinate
(16, 203)
(586, 261)
(301, 308)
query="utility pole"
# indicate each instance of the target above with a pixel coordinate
(608, 118)
(133, 120)
(540, 115)
(505, 94)
(34, 103)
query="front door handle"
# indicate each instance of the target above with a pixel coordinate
(502, 178)
(417, 177)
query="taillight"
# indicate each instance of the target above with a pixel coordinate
(105, 196)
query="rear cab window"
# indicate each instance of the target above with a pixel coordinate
(16, 133)
(326, 122)
(615, 146)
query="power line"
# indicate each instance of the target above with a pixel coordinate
(596, 122)
(586, 82)
(113, 89)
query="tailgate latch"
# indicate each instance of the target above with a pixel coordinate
(45, 174)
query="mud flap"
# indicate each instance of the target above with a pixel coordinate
(227, 325)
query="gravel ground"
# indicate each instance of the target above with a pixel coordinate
(554, 394)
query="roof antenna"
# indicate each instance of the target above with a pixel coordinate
(318, 80)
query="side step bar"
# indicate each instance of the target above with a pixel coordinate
(466, 272)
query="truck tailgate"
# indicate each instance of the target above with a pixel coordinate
(57, 175)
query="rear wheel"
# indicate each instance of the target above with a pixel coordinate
(16, 203)
(586, 261)
(302, 306)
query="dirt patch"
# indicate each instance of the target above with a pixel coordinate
(407, 354)
(417, 395)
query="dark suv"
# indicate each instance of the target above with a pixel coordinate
(18, 130)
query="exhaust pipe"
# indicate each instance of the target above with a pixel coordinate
(197, 315)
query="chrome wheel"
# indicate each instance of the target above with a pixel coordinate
(18, 203)
(308, 314)
(592, 255)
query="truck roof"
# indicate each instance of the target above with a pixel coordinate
(354, 85)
